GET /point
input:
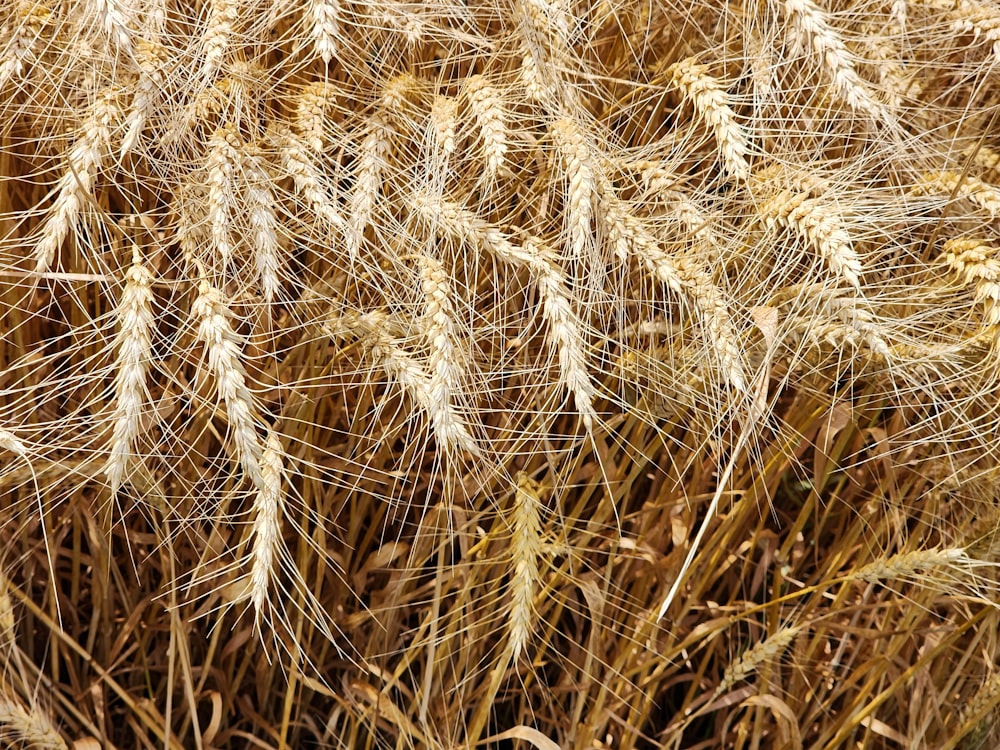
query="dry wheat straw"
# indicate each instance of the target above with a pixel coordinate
(908, 564)
(263, 226)
(222, 345)
(712, 104)
(133, 343)
(491, 119)
(311, 110)
(375, 149)
(525, 550)
(226, 151)
(267, 511)
(33, 728)
(323, 17)
(151, 57)
(77, 181)
(982, 194)
(22, 32)
(810, 30)
(116, 17)
(578, 171)
(222, 17)
(309, 181)
(818, 226)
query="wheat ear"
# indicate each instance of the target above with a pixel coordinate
(34, 728)
(222, 17)
(222, 345)
(226, 151)
(267, 511)
(578, 170)
(375, 149)
(908, 564)
(8, 622)
(309, 181)
(77, 181)
(712, 104)
(491, 120)
(817, 225)
(980, 20)
(115, 17)
(976, 263)
(443, 119)
(323, 17)
(151, 57)
(26, 27)
(986, 158)
(761, 653)
(811, 30)
(984, 195)
(263, 226)
(134, 344)
(525, 551)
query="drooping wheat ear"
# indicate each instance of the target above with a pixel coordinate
(525, 551)
(133, 343)
(531, 77)
(77, 181)
(222, 344)
(986, 158)
(865, 324)
(976, 263)
(447, 423)
(222, 18)
(663, 184)
(714, 316)
(579, 172)
(323, 17)
(765, 651)
(267, 512)
(811, 31)
(443, 119)
(488, 110)
(981, 704)
(263, 224)
(225, 154)
(981, 20)
(20, 35)
(311, 110)
(818, 226)
(375, 150)
(151, 57)
(550, 19)
(908, 564)
(446, 366)
(945, 183)
(116, 17)
(32, 728)
(308, 180)
(711, 102)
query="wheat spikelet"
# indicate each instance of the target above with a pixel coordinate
(31, 727)
(267, 512)
(443, 118)
(712, 104)
(116, 17)
(21, 33)
(908, 564)
(984, 195)
(133, 343)
(222, 17)
(811, 31)
(311, 110)
(263, 225)
(371, 164)
(77, 181)
(323, 17)
(222, 345)
(491, 119)
(226, 151)
(817, 225)
(308, 182)
(151, 57)
(578, 169)
(761, 653)
(525, 550)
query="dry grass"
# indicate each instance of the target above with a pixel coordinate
(373, 375)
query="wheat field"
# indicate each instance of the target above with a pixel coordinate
(499, 373)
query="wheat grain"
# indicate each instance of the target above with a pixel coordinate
(133, 343)
(77, 181)
(443, 118)
(23, 30)
(222, 344)
(308, 181)
(312, 107)
(226, 151)
(982, 194)
(817, 225)
(267, 511)
(375, 149)
(712, 104)
(151, 57)
(525, 551)
(116, 17)
(34, 728)
(263, 225)
(222, 18)
(323, 17)
(811, 30)
(491, 119)
(578, 171)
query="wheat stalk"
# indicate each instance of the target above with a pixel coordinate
(32, 727)
(525, 551)
(77, 182)
(578, 170)
(223, 348)
(323, 17)
(134, 344)
(267, 511)
(487, 107)
(712, 104)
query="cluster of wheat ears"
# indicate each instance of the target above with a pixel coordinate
(499, 373)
